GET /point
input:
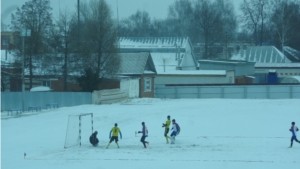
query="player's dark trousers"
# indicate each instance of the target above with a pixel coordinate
(294, 138)
(143, 140)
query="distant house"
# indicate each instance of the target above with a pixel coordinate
(12, 76)
(138, 65)
(174, 61)
(243, 70)
(7, 40)
(267, 58)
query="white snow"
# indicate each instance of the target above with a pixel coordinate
(40, 89)
(215, 133)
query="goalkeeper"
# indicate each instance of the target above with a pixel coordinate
(93, 139)
(115, 130)
(167, 128)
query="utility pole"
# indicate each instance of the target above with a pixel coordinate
(118, 27)
(78, 10)
(23, 34)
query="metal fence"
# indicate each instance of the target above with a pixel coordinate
(13, 100)
(230, 92)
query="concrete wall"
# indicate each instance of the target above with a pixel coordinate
(230, 92)
(13, 100)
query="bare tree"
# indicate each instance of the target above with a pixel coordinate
(66, 24)
(33, 15)
(137, 25)
(284, 17)
(180, 17)
(254, 18)
(98, 47)
(208, 24)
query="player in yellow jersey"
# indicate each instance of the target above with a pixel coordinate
(115, 130)
(167, 128)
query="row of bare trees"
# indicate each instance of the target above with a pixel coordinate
(66, 45)
(87, 40)
(260, 22)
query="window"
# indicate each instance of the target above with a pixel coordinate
(147, 84)
(46, 83)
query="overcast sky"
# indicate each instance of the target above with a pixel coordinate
(156, 8)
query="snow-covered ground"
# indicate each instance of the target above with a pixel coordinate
(215, 133)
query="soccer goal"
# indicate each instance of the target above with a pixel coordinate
(79, 126)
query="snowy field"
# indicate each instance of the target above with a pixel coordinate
(215, 133)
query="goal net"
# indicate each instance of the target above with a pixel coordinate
(79, 129)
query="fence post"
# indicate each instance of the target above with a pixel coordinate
(245, 92)
(268, 92)
(222, 92)
(291, 91)
(199, 92)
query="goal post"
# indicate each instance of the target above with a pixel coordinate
(77, 125)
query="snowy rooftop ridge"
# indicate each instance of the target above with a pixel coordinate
(261, 54)
(292, 53)
(153, 42)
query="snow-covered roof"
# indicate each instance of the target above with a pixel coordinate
(133, 63)
(291, 53)
(291, 79)
(153, 42)
(194, 72)
(40, 89)
(261, 54)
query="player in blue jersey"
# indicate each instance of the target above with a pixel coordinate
(294, 129)
(175, 131)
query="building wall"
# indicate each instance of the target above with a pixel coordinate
(244, 69)
(281, 72)
(7, 40)
(195, 79)
(58, 86)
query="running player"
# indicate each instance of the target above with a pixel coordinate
(145, 134)
(294, 129)
(176, 130)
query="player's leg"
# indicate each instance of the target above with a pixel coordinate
(111, 139)
(166, 134)
(143, 141)
(173, 134)
(116, 140)
(292, 139)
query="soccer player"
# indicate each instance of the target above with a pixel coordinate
(176, 130)
(93, 139)
(145, 134)
(115, 130)
(294, 129)
(167, 126)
